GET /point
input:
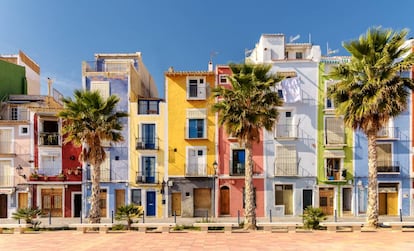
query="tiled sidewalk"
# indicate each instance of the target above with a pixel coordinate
(195, 240)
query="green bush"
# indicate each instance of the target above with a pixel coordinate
(129, 213)
(28, 215)
(312, 216)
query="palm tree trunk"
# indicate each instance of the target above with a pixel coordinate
(372, 210)
(95, 211)
(250, 208)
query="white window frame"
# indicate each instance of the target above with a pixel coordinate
(21, 133)
(11, 146)
(341, 168)
(328, 83)
(325, 132)
(282, 205)
(102, 86)
(196, 114)
(8, 175)
(225, 78)
(53, 170)
(293, 125)
(201, 88)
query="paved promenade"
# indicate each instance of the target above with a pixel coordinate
(383, 239)
(196, 240)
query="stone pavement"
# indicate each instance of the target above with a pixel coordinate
(196, 240)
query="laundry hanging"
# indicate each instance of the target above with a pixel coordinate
(291, 90)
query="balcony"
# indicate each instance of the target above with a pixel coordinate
(195, 170)
(237, 169)
(388, 133)
(147, 177)
(147, 144)
(388, 167)
(6, 147)
(7, 181)
(49, 138)
(287, 169)
(286, 131)
(101, 66)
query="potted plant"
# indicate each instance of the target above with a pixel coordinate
(60, 176)
(34, 176)
(69, 171)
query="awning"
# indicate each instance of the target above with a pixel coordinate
(340, 154)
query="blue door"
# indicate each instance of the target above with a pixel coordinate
(148, 136)
(149, 169)
(150, 203)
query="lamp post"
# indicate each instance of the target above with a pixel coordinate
(215, 165)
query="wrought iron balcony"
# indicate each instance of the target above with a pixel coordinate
(286, 131)
(195, 170)
(49, 138)
(388, 133)
(237, 169)
(147, 178)
(7, 181)
(286, 169)
(388, 167)
(147, 143)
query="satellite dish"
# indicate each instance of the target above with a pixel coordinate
(292, 39)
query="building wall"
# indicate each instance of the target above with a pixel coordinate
(12, 79)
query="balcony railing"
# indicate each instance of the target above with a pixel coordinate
(286, 169)
(101, 66)
(388, 133)
(7, 181)
(196, 170)
(147, 178)
(6, 147)
(237, 169)
(49, 138)
(286, 131)
(388, 167)
(147, 143)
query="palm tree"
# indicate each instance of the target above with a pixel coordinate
(244, 110)
(129, 213)
(370, 91)
(88, 120)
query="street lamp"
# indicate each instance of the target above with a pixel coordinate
(215, 165)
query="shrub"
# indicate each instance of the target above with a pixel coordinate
(28, 215)
(312, 216)
(129, 213)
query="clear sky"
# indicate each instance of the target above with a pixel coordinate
(60, 34)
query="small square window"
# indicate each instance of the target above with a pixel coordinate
(200, 152)
(288, 114)
(299, 55)
(23, 130)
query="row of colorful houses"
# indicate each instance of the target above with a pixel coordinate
(176, 160)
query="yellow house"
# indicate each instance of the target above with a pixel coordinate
(191, 148)
(147, 176)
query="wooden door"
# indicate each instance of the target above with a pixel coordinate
(326, 200)
(103, 202)
(23, 200)
(224, 201)
(382, 203)
(392, 203)
(3, 205)
(119, 198)
(202, 202)
(52, 202)
(176, 204)
(306, 198)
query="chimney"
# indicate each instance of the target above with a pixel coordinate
(210, 66)
(49, 87)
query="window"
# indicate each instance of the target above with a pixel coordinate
(284, 197)
(334, 131)
(286, 161)
(239, 162)
(254, 197)
(196, 127)
(333, 169)
(6, 173)
(106, 168)
(387, 131)
(23, 130)
(329, 103)
(49, 134)
(384, 159)
(285, 127)
(148, 107)
(148, 139)
(50, 164)
(299, 55)
(196, 161)
(148, 169)
(6, 140)
(196, 88)
(136, 197)
(102, 87)
(14, 113)
(223, 79)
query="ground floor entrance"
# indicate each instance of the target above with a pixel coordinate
(326, 200)
(202, 202)
(3, 205)
(52, 202)
(388, 199)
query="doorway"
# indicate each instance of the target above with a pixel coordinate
(388, 199)
(103, 202)
(224, 200)
(119, 198)
(326, 200)
(3, 205)
(150, 203)
(23, 200)
(176, 204)
(77, 204)
(202, 202)
(52, 202)
(307, 198)
(347, 201)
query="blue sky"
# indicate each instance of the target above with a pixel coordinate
(59, 35)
